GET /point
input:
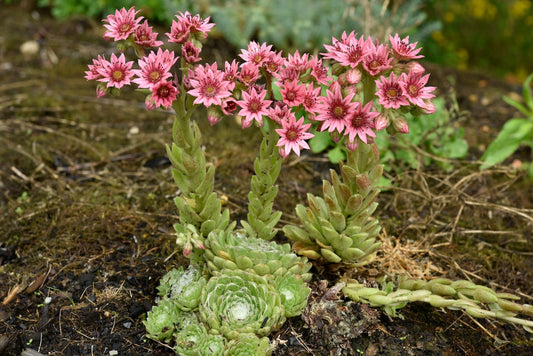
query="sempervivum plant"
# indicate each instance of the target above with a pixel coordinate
(248, 345)
(184, 287)
(237, 251)
(339, 227)
(190, 339)
(161, 321)
(235, 302)
(294, 292)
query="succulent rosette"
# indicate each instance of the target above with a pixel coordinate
(237, 251)
(235, 302)
(248, 345)
(294, 292)
(213, 345)
(161, 321)
(184, 287)
(190, 339)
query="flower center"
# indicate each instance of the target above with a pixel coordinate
(155, 76)
(210, 91)
(290, 95)
(292, 135)
(125, 27)
(118, 75)
(413, 90)
(254, 106)
(358, 121)
(392, 93)
(338, 111)
(374, 64)
(163, 92)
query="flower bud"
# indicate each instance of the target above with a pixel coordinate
(400, 125)
(353, 76)
(336, 136)
(101, 91)
(381, 122)
(149, 103)
(352, 145)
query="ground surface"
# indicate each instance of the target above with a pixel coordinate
(86, 214)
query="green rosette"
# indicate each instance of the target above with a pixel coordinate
(190, 339)
(213, 345)
(184, 287)
(248, 345)
(161, 321)
(237, 251)
(294, 292)
(236, 302)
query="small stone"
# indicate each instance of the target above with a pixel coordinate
(29, 48)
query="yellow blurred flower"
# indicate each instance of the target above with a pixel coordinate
(519, 8)
(482, 9)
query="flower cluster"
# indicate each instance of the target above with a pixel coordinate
(366, 86)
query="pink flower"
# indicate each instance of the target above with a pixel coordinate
(274, 62)
(187, 26)
(292, 92)
(249, 73)
(361, 122)
(94, 69)
(377, 59)
(286, 74)
(229, 105)
(179, 32)
(334, 109)
(121, 25)
(318, 71)
(209, 86)
(336, 50)
(310, 100)
(414, 87)
(253, 107)
(298, 62)
(154, 68)
(146, 37)
(117, 72)
(164, 94)
(256, 54)
(279, 112)
(402, 49)
(190, 53)
(293, 135)
(198, 27)
(391, 93)
(354, 50)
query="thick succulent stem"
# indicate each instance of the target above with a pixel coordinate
(199, 207)
(339, 227)
(476, 300)
(262, 219)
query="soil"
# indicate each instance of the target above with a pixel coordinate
(86, 213)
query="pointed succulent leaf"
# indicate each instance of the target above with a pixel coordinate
(330, 256)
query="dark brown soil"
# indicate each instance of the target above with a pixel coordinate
(86, 214)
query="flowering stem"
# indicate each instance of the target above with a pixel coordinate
(198, 204)
(261, 218)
